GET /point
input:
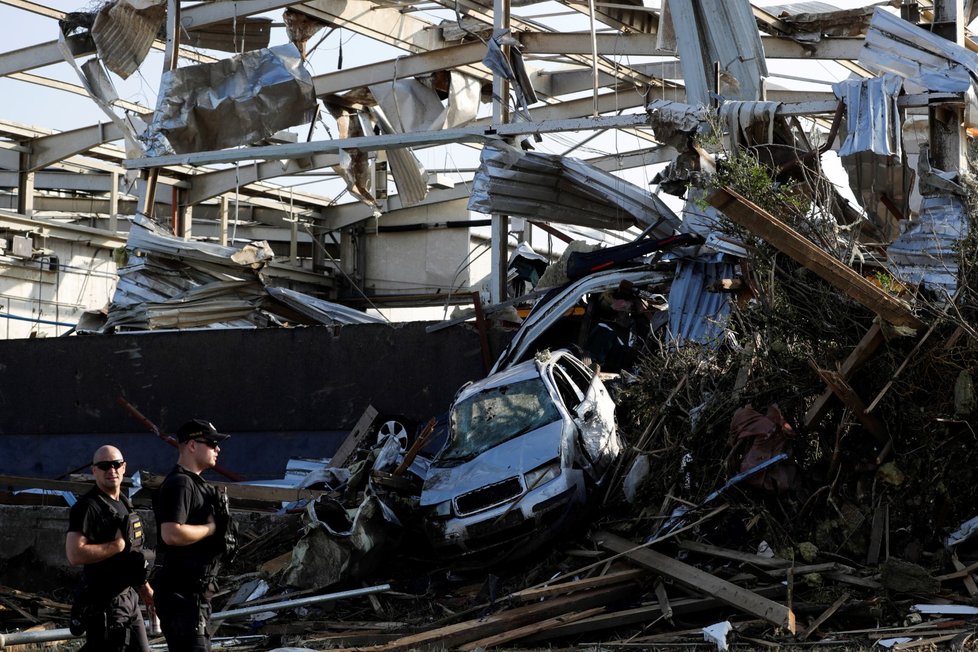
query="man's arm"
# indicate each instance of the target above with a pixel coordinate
(184, 534)
(80, 552)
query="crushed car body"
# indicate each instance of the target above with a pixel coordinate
(525, 448)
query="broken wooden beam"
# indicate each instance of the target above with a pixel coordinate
(244, 491)
(458, 634)
(825, 615)
(700, 581)
(828, 268)
(733, 555)
(857, 357)
(838, 385)
(355, 439)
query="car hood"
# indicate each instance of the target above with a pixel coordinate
(510, 458)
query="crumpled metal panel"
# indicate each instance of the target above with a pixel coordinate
(232, 102)
(872, 149)
(872, 115)
(565, 190)
(320, 310)
(723, 31)
(928, 60)
(696, 314)
(147, 236)
(927, 252)
(409, 174)
(169, 282)
(123, 34)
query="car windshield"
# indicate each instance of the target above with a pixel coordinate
(496, 415)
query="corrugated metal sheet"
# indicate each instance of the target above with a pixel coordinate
(723, 31)
(123, 34)
(927, 252)
(872, 149)
(695, 313)
(563, 190)
(169, 283)
(872, 116)
(931, 61)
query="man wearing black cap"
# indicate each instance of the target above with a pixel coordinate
(190, 540)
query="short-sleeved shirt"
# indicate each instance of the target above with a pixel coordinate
(100, 519)
(184, 498)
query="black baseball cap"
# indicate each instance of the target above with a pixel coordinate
(199, 429)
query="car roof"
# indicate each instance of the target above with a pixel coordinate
(522, 371)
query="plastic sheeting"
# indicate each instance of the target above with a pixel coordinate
(563, 190)
(232, 102)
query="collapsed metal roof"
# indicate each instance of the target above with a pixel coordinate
(579, 86)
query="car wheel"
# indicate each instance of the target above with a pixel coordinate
(397, 427)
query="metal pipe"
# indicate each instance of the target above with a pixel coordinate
(20, 638)
(299, 602)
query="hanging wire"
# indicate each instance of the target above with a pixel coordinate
(340, 269)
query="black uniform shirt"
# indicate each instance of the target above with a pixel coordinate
(183, 498)
(93, 517)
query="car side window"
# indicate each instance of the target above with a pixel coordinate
(569, 394)
(579, 376)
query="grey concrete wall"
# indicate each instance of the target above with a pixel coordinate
(280, 392)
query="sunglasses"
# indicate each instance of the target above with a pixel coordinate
(110, 464)
(210, 443)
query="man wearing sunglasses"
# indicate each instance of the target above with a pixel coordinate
(189, 540)
(105, 536)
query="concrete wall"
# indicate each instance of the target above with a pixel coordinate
(280, 392)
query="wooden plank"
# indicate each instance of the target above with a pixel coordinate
(855, 580)
(639, 615)
(665, 606)
(825, 615)
(876, 535)
(618, 577)
(857, 357)
(528, 630)
(354, 440)
(851, 400)
(734, 555)
(969, 581)
(828, 268)
(244, 491)
(827, 567)
(12, 482)
(701, 582)
(452, 636)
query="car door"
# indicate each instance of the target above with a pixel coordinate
(594, 415)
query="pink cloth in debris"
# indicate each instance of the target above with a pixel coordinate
(768, 435)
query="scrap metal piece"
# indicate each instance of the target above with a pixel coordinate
(409, 175)
(723, 31)
(926, 253)
(927, 60)
(233, 102)
(124, 33)
(872, 149)
(695, 313)
(564, 190)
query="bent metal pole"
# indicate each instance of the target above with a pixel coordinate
(44, 636)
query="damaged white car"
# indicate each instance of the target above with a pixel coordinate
(525, 449)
